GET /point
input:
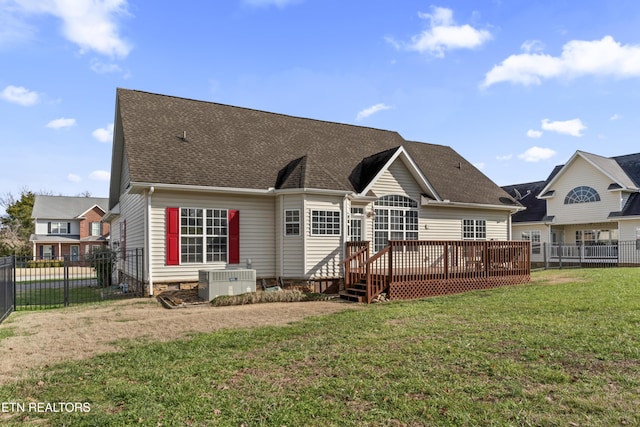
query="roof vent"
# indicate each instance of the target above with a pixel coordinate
(184, 136)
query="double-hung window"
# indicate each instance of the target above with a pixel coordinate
(292, 222)
(216, 235)
(474, 229)
(325, 223)
(95, 229)
(191, 235)
(59, 228)
(203, 235)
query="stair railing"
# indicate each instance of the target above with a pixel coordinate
(357, 255)
(379, 268)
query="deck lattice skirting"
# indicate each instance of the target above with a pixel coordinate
(437, 287)
(418, 269)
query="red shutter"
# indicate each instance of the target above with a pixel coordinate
(234, 237)
(172, 228)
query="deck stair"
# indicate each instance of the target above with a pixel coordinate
(357, 292)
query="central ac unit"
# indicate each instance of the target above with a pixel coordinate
(213, 283)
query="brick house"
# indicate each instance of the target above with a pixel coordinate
(68, 226)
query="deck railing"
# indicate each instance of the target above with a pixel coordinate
(422, 261)
(418, 260)
(584, 251)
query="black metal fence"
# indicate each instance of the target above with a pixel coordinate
(50, 283)
(7, 287)
(620, 254)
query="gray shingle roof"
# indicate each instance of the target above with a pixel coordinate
(64, 207)
(611, 167)
(624, 169)
(536, 208)
(227, 146)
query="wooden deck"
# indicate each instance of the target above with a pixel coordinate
(417, 269)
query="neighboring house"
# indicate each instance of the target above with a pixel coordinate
(68, 226)
(584, 210)
(202, 185)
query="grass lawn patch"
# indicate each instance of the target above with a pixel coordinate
(53, 297)
(563, 350)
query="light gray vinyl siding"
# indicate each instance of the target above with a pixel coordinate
(257, 232)
(517, 231)
(397, 180)
(323, 253)
(292, 249)
(434, 223)
(124, 178)
(630, 232)
(446, 223)
(132, 211)
(42, 226)
(578, 174)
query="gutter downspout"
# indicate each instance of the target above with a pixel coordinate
(148, 241)
(345, 230)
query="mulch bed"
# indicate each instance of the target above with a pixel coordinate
(180, 298)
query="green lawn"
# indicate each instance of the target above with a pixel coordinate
(559, 351)
(46, 298)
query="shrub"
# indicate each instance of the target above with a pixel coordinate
(103, 260)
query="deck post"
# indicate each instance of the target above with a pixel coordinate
(445, 251)
(560, 255)
(487, 261)
(390, 271)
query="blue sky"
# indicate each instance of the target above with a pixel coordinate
(516, 87)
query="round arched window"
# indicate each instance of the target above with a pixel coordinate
(582, 194)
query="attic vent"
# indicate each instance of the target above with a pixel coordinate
(184, 136)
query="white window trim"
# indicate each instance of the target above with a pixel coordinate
(285, 223)
(326, 214)
(536, 245)
(58, 224)
(475, 229)
(204, 236)
(396, 203)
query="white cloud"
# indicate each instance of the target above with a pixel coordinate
(504, 158)
(74, 178)
(479, 165)
(20, 95)
(371, 110)
(100, 67)
(615, 117)
(104, 134)
(534, 133)
(13, 30)
(535, 154)
(100, 175)
(90, 24)
(443, 34)
(604, 57)
(532, 46)
(568, 127)
(61, 123)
